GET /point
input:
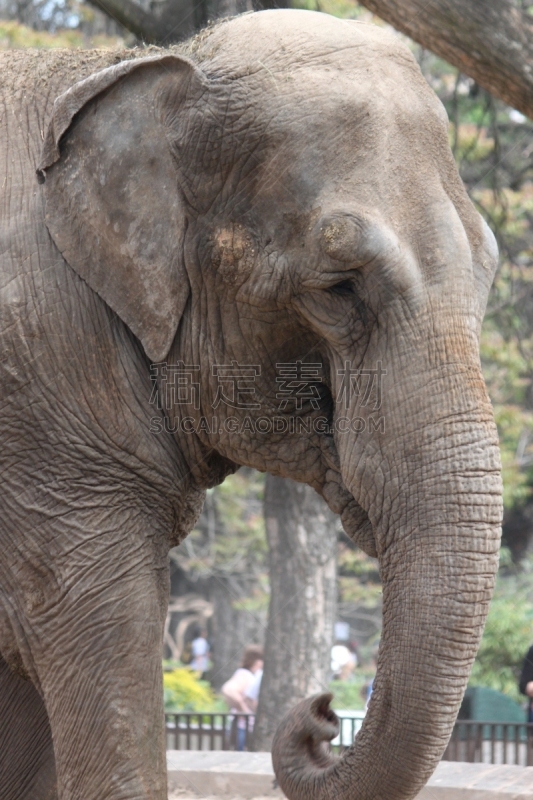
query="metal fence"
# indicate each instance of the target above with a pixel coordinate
(349, 724)
(188, 731)
(481, 742)
(491, 743)
(208, 731)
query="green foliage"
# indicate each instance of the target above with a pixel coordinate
(184, 691)
(230, 535)
(509, 630)
(229, 541)
(351, 694)
(16, 36)
(347, 9)
(359, 580)
(240, 502)
(503, 647)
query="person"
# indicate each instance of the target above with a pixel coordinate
(526, 682)
(343, 662)
(200, 652)
(252, 693)
(236, 688)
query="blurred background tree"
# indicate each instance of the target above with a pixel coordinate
(225, 560)
(302, 540)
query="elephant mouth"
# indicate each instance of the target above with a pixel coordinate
(354, 518)
(358, 527)
(318, 414)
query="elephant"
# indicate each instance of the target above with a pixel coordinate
(187, 235)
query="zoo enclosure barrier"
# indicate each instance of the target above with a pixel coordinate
(187, 731)
(491, 743)
(480, 742)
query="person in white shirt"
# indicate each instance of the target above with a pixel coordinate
(252, 692)
(343, 662)
(235, 690)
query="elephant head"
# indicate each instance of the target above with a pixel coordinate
(281, 202)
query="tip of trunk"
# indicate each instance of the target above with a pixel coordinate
(300, 744)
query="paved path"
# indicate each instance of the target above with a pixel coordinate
(187, 796)
(236, 776)
(227, 774)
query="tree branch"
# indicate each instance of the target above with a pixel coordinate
(489, 40)
(176, 20)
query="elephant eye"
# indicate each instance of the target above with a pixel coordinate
(343, 288)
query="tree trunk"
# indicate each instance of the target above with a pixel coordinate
(489, 40)
(301, 534)
(173, 21)
(233, 628)
(166, 21)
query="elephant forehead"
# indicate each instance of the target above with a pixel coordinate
(331, 142)
(287, 81)
(280, 51)
(331, 107)
(291, 37)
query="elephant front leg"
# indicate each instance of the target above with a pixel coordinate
(27, 768)
(97, 653)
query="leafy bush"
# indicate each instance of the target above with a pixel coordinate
(508, 632)
(16, 36)
(505, 642)
(184, 691)
(348, 694)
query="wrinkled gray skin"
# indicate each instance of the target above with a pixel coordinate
(283, 191)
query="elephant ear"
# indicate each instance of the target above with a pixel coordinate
(113, 203)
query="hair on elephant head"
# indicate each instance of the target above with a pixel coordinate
(279, 207)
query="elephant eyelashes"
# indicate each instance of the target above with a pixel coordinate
(343, 288)
(349, 290)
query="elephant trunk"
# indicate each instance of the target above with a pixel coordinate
(438, 573)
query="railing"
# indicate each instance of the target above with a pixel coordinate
(349, 724)
(491, 743)
(188, 731)
(482, 742)
(208, 731)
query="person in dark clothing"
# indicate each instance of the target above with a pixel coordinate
(526, 682)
